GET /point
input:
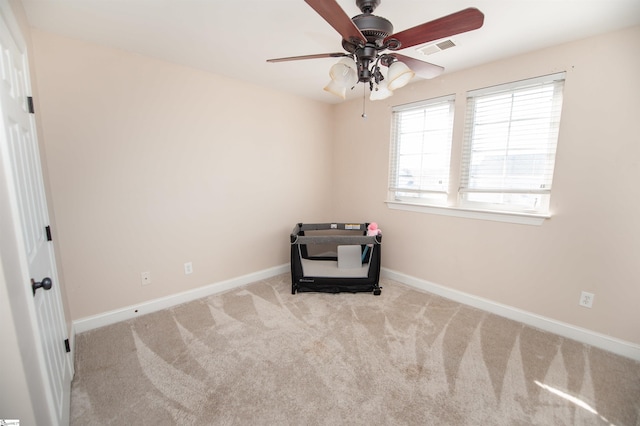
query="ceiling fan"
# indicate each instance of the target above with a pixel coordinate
(367, 37)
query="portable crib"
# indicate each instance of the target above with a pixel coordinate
(334, 258)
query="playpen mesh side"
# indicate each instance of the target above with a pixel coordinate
(330, 269)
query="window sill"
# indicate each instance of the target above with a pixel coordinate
(496, 216)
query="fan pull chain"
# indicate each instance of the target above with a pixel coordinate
(364, 96)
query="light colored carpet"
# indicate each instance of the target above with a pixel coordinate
(258, 355)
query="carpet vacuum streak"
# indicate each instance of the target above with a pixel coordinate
(258, 355)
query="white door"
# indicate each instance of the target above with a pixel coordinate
(18, 136)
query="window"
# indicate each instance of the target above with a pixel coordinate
(509, 151)
(421, 154)
(503, 163)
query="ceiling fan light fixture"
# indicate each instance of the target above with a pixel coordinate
(399, 75)
(336, 89)
(344, 72)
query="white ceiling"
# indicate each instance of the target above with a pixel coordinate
(235, 38)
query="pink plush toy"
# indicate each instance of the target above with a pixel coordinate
(373, 230)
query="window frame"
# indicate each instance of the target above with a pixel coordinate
(517, 93)
(454, 205)
(423, 195)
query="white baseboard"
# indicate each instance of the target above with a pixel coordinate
(602, 341)
(123, 314)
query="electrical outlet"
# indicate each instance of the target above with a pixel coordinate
(145, 278)
(188, 268)
(586, 299)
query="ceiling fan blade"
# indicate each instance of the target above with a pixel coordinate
(338, 19)
(317, 56)
(456, 23)
(421, 68)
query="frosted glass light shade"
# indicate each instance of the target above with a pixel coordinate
(344, 72)
(336, 89)
(399, 75)
(380, 91)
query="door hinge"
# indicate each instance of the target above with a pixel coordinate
(67, 346)
(48, 231)
(30, 105)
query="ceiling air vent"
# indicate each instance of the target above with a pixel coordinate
(430, 49)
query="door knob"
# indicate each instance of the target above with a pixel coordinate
(46, 283)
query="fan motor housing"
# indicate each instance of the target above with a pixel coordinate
(374, 28)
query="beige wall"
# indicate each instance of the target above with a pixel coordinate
(591, 243)
(153, 165)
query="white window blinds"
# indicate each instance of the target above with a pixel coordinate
(511, 133)
(421, 150)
